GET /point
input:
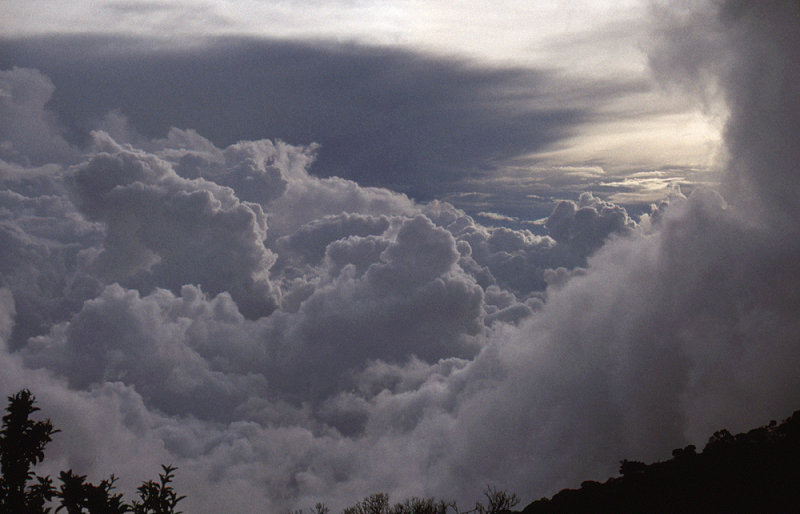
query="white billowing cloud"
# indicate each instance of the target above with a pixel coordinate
(308, 200)
(517, 260)
(586, 224)
(415, 277)
(46, 246)
(664, 339)
(173, 231)
(312, 239)
(160, 331)
(272, 174)
(134, 273)
(285, 339)
(29, 133)
(158, 344)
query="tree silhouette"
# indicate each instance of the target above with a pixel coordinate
(158, 497)
(498, 501)
(22, 443)
(373, 504)
(422, 506)
(79, 496)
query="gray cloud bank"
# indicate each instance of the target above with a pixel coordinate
(286, 338)
(384, 117)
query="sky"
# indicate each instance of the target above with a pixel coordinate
(309, 251)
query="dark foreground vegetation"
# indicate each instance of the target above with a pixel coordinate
(22, 491)
(22, 442)
(753, 472)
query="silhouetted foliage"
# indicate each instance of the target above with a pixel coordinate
(79, 496)
(753, 472)
(22, 443)
(158, 497)
(498, 502)
(373, 504)
(422, 506)
(631, 467)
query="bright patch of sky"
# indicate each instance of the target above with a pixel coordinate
(592, 35)
(500, 28)
(588, 43)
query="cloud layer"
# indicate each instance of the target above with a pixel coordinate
(286, 338)
(384, 116)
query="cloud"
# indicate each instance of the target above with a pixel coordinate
(312, 240)
(46, 246)
(360, 311)
(7, 312)
(725, 54)
(661, 339)
(585, 225)
(761, 91)
(29, 132)
(383, 117)
(666, 334)
(131, 276)
(120, 336)
(286, 338)
(165, 229)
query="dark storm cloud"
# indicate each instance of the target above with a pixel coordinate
(383, 116)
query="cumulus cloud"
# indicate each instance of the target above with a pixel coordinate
(651, 347)
(29, 132)
(285, 338)
(164, 229)
(139, 280)
(46, 246)
(585, 225)
(667, 333)
(311, 241)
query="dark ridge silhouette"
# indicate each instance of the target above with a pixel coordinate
(753, 472)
